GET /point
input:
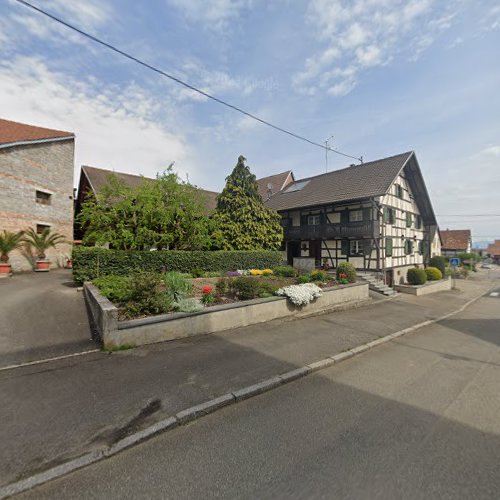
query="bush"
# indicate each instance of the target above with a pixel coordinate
(285, 271)
(322, 276)
(189, 305)
(266, 288)
(416, 276)
(222, 286)
(114, 288)
(349, 270)
(438, 261)
(245, 288)
(304, 278)
(197, 273)
(433, 273)
(177, 286)
(90, 262)
(146, 295)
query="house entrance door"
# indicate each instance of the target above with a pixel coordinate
(292, 250)
(315, 251)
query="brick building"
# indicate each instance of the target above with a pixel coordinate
(36, 185)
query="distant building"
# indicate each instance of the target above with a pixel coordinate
(455, 241)
(36, 185)
(493, 251)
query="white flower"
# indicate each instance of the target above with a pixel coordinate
(300, 295)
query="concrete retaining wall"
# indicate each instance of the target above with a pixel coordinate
(431, 287)
(214, 319)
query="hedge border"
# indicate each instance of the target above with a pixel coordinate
(89, 263)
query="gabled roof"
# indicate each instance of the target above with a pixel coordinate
(98, 177)
(455, 239)
(16, 134)
(356, 182)
(274, 183)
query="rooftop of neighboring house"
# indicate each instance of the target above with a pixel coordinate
(272, 184)
(455, 239)
(98, 177)
(494, 248)
(16, 134)
(355, 182)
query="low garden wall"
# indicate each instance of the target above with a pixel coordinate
(159, 328)
(429, 287)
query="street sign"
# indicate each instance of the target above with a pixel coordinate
(454, 262)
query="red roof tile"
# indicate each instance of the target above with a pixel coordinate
(14, 132)
(455, 239)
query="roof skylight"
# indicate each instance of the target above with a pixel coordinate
(296, 186)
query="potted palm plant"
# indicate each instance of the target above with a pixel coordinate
(40, 243)
(8, 242)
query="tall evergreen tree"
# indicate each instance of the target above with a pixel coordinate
(242, 221)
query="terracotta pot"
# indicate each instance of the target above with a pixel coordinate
(42, 265)
(5, 269)
(69, 264)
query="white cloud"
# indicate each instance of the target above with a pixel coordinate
(20, 21)
(213, 14)
(367, 33)
(115, 127)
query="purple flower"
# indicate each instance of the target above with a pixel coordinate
(233, 273)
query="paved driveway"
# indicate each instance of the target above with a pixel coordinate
(41, 316)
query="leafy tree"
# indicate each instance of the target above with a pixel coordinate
(164, 214)
(242, 221)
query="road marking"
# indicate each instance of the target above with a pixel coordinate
(48, 360)
(494, 294)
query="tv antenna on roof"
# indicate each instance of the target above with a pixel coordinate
(326, 152)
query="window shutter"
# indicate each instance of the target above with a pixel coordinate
(367, 247)
(408, 219)
(388, 247)
(344, 216)
(345, 247)
(367, 214)
(322, 218)
(303, 220)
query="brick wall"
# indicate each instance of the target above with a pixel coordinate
(46, 167)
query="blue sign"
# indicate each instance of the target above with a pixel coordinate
(454, 262)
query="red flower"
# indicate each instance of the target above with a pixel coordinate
(342, 275)
(207, 289)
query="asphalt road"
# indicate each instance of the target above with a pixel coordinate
(418, 417)
(43, 316)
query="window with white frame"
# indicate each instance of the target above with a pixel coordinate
(355, 248)
(313, 220)
(355, 215)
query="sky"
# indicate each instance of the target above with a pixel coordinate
(380, 76)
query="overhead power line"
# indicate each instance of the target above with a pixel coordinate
(469, 215)
(183, 83)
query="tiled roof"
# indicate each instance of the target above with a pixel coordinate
(355, 182)
(277, 182)
(98, 177)
(455, 239)
(12, 133)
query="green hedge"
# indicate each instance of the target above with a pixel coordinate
(416, 276)
(90, 263)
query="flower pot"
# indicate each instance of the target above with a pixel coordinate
(69, 264)
(42, 265)
(5, 269)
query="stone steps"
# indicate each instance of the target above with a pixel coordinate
(377, 285)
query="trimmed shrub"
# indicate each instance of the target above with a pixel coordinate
(222, 286)
(197, 273)
(416, 276)
(285, 271)
(438, 261)
(433, 274)
(349, 270)
(90, 262)
(266, 288)
(245, 288)
(189, 305)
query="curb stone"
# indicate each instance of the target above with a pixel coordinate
(195, 412)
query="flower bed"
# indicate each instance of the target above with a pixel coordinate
(145, 294)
